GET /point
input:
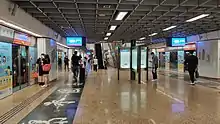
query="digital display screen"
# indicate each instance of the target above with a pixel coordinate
(52, 42)
(178, 41)
(125, 58)
(74, 41)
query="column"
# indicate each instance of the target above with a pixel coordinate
(98, 51)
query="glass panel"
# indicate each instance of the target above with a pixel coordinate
(173, 60)
(181, 61)
(143, 58)
(24, 70)
(162, 59)
(125, 58)
(15, 58)
(134, 58)
(167, 60)
(32, 66)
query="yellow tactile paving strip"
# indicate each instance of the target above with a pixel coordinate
(23, 104)
(12, 101)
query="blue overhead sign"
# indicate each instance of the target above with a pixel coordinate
(74, 41)
(178, 41)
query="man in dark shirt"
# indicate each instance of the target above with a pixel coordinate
(75, 65)
(154, 66)
(66, 62)
(192, 62)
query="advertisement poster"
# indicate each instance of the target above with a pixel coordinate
(134, 59)
(125, 59)
(33, 59)
(144, 58)
(5, 69)
(167, 60)
(181, 61)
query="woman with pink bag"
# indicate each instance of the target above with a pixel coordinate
(46, 69)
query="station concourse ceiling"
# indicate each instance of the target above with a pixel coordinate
(93, 18)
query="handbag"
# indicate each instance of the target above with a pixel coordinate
(35, 75)
(197, 73)
(46, 67)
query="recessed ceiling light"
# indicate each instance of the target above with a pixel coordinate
(107, 6)
(101, 15)
(171, 27)
(108, 34)
(121, 15)
(197, 17)
(112, 28)
(106, 38)
(152, 34)
(143, 38)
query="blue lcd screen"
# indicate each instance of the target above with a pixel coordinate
(74, 41)
(178, 41)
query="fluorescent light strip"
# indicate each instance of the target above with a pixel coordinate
(112, 28)
(197, 17)
(121, 15)
(106, 38)
(152, 34)
(108, 34)
(143, 38)
(19, 28)
(62, 45)
(171, 27)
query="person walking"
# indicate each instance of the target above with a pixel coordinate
(66, 63)
(60, 63)
(95, 64)
(154, 66)
(75, 65)
(39, 65)
(192, 62)
(46, 70)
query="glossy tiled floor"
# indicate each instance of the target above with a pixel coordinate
(171, 101)
(105, 100)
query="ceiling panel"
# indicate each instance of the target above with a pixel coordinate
(92, 18)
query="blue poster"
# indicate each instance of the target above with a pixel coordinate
(5, 69)
(5, 59)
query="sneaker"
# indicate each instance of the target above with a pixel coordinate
(154, 80)
(192, 83)
(44, 86)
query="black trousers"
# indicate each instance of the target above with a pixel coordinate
(96, 68)
(75, 70)
(154, 73)
(60, 67)
(192, 74)
(66, 67)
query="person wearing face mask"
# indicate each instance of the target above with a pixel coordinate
(40, 70)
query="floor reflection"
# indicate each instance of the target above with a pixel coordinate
(170, 101)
